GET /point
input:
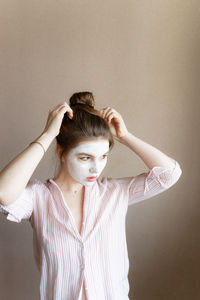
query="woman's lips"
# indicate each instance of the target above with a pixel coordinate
(93, 178)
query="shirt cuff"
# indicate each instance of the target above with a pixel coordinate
(166, 177)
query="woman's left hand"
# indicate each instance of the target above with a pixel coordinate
(114, 121)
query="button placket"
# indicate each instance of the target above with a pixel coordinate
(83, 257)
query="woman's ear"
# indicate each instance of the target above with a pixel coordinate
(58, 150)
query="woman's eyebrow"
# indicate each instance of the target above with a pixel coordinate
(83, 153)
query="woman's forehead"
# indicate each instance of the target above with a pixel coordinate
(97, 147)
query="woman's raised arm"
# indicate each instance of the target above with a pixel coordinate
(16, 174)
(151, 156)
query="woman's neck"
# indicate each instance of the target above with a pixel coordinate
(67, 184)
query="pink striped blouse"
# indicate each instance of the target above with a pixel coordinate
(99, 254)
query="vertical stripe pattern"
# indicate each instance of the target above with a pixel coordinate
(99, 254)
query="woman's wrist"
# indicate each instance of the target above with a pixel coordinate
(44, 140)
(125, 139)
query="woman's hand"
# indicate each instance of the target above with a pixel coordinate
(55, 118)
(114, 121)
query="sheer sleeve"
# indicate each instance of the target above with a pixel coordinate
(22, 207)
(154, 182)
(145, 185)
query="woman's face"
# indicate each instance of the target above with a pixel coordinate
(87, 160)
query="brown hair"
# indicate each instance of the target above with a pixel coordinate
(86, 124)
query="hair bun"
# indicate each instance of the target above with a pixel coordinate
(83, 104)
(82, 98)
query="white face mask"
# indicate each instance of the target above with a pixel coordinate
(90, 164)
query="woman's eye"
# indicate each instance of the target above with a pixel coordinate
(84, 158)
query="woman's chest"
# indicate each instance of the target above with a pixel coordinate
(77, 214)
(60, 228)
(76, 210)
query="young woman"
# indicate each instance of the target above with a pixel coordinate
(78, 220)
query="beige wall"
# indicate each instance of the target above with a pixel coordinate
(141, 58)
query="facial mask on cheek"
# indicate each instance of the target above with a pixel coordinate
(80, 170)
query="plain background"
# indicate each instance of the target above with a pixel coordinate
(141, 58)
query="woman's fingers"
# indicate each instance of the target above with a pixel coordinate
(63, 108)
(55, 118)
(108, 113)
(105, 111)
(57, 107)
(63, 105)
(66, 109)
(110, 116)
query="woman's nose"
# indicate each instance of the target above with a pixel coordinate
(94, 170)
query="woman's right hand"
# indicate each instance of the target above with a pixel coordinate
(55, 118)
